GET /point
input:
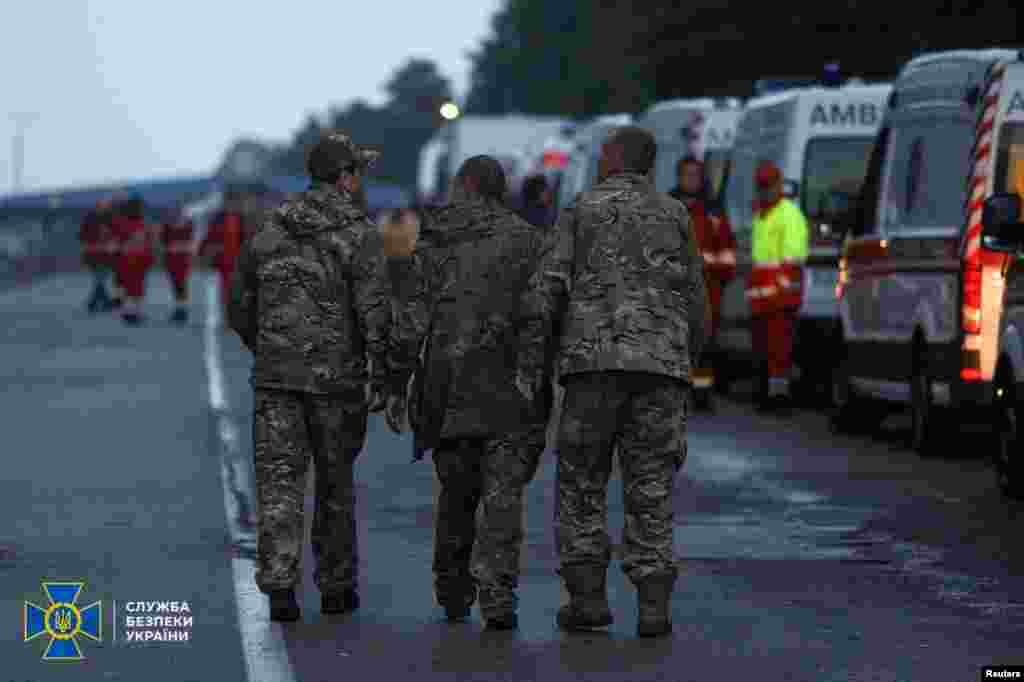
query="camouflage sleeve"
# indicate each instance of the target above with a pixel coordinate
(698, 305)
(546, 295)
(371, 297)
(242, 308)
(412, 294)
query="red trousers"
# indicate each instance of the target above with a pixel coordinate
(131, 274)
(179, 267)
(773, 340)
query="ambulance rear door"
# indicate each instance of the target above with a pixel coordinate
(1009, 177)
(830, 153)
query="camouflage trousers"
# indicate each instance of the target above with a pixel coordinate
(479, 518)
(644, 416)
(289, 429)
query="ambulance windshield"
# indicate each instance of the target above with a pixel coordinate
(1010, 160)
(834, 170)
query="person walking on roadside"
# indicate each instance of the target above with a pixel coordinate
(97, 237)
(135, 257)
(310, 300)
(177, 235)
(460, 292)
(623, 281)
(717, 246)
(775, 285)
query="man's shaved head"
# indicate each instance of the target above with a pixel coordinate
(483, 175)
(635, 149)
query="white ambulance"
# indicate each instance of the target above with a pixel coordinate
(821, 138)
(702, 128)
(932, 285)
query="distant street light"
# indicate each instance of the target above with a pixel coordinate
(449, 111)
(21, 121)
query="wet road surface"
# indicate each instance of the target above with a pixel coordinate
(806, 556)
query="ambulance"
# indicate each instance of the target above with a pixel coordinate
(702, 128)
(581, 170)
(931, 289)
(821, 138)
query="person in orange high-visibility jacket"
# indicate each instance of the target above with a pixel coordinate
(223, 243)
(177, 235)
(718, 247)
(135, 257)
(775, 287)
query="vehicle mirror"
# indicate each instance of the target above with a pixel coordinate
(1001, 229)
(790, 189)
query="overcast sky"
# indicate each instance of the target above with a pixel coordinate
(126, 89)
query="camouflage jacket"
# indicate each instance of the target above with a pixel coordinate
(311, 300)
(459, 297)
(621, 285)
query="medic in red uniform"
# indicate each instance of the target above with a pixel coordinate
(717, 245)
(97, 239)
(135, 257)
(177, 236)
(223, 243)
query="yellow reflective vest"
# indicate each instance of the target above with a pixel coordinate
(780, 244)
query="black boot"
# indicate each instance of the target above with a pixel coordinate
(588, 599)
(655, 598)
(180, 316)
(132, 319)
(340, 602)
(506, 621)
(283, 606)
(457, 607)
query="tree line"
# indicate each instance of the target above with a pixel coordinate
(582, 58)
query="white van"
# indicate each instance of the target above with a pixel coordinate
(581, 171)
(821, 138)
(932, 309)
(703, 128)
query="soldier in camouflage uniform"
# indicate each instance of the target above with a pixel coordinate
(311, 301)
(461, 293)
(624, 280)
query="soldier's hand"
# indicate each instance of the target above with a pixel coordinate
(525, 385)
(394, 413)
(375, 399)
(400, 233)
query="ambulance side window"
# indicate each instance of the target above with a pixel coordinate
(866, 216)
(936, 180)
(894, 201)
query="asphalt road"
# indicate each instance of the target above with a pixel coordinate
(805, 556)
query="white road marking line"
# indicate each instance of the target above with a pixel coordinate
(266, 655)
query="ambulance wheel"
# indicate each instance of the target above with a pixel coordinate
(1008, 460)
(851, 413)
(925, 416)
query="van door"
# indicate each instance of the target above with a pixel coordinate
(922, 214)
(1009, 177)
(863, 260)
(734, 334)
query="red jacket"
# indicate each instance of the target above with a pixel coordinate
(135, 241)
(99, 244)
(716, 241)
(223, 241)
(177, 238)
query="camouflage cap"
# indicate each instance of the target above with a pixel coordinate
(335, 152)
